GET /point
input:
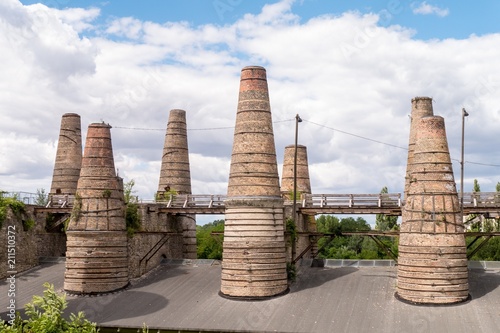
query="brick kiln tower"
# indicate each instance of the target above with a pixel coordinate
(432, 263)
(97, 256)
(254, 263)
(305, 222)
(175, 173)
(303, 181)
(420, 107)
(68, 157)
(175, 176)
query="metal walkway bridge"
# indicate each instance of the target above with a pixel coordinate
(486, 203)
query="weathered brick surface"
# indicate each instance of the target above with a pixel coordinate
(254, 169)
(96, 232)
(175, 175)
(303, 180)
(420, 107)
(254, 259)
(175, 171)
(68, 157)
(432, 263)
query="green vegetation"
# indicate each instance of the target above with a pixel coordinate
(336, 246)
(14, 204)
(169, 193)
(386, 222)
(291, 271)
(42, 199)
(45, 315)
(209, 246)
(132, 216)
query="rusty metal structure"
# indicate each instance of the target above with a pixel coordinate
(432, 263)
(175, 176)
(254, 261)
(68, 160)
(97, 255)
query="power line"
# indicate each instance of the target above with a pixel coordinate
(293, 119)
(356, 135)
(191, 129)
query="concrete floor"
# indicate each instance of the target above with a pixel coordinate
(323, 299)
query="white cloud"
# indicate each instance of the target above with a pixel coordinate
(427, 9)
(133, 72)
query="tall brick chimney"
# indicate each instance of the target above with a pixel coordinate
(254, 261)
(97, 255)
(175, 173)
(304, 223)
(303, 180)
(175, 176)
(420, 107)
(432, 263)
(68, 157)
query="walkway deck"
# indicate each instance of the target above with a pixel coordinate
(323, 299)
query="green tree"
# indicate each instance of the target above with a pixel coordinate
(209, 246)
(385, 222)
(41, 197)
(476, 187)
(341, 247)
(45, 315)
(132, 216)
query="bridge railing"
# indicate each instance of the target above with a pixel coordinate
(351, 200)
(482, 199)
(194, 200)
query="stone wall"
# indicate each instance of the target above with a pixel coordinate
(160, 237)
(37, 242)
(29, 244)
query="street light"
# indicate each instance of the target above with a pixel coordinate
(297, 121)
(464, 114)
(294, 208)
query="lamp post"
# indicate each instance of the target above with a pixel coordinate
(464, 114)
(294, 207)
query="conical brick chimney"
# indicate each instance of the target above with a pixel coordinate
(175, 173)
(303, 180)
(254, 261)
(68, 157)
(304, 223)
(420, 107)
(97, 256)
(432, 263)
(175, 176)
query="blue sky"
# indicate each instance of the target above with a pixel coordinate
(462, 19)
(349, 68)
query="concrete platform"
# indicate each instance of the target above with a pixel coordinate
(181, 295)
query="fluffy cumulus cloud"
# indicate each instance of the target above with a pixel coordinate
(350, 77)
(425, 8)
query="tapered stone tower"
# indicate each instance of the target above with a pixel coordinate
(175, 176)
(68, 157)
(304, 223)
(97, 256)
(254, 263)
(432, 263)
(420, 107)
(303, 180)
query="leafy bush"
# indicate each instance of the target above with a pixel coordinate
(45, 315)
(16, 206)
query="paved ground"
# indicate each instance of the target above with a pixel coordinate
(342, 299)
